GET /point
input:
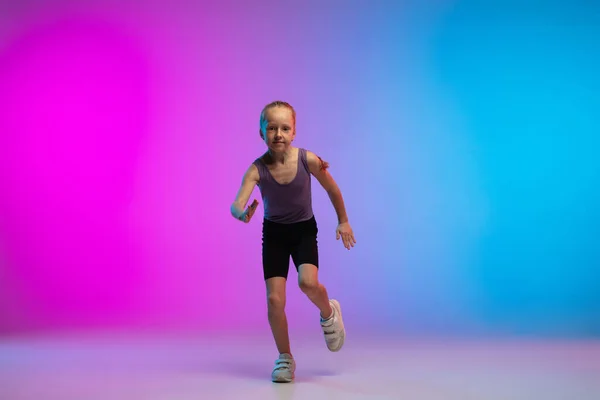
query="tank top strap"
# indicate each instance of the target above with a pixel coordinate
(304, 159)
(262, 172)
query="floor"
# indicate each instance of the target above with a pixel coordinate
(222, 367)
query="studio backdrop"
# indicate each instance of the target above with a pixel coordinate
(463, 135)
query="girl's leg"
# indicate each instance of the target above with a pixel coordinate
(308, 280)
(276, 262)
(331, 311)
(276, 313)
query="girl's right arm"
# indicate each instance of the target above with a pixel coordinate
(249, 181)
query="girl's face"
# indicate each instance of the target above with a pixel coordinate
(278, 129)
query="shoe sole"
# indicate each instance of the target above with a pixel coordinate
(338, 307)
(284, 380)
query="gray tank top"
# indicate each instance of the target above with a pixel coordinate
(288, 203)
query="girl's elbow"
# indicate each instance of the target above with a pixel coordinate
(333, 190)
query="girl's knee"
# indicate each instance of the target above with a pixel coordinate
(275, 302)
(308, 285)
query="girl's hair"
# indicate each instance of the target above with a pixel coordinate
(276, 103)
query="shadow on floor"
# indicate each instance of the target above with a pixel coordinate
(253, 370)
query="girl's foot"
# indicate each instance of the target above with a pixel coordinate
(284, 369)
(333, 328)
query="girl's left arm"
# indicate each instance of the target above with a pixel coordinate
(318, 168)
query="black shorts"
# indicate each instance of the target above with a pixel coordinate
(280, 241)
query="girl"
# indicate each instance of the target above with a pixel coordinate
(283, 175)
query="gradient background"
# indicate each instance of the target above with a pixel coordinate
(463, 134)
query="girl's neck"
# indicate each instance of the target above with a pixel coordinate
(280, 157)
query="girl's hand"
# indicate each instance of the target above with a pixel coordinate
(345, 232)
(247, 215)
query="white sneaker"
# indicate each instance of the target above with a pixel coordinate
(284, 369)
(333, 328)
